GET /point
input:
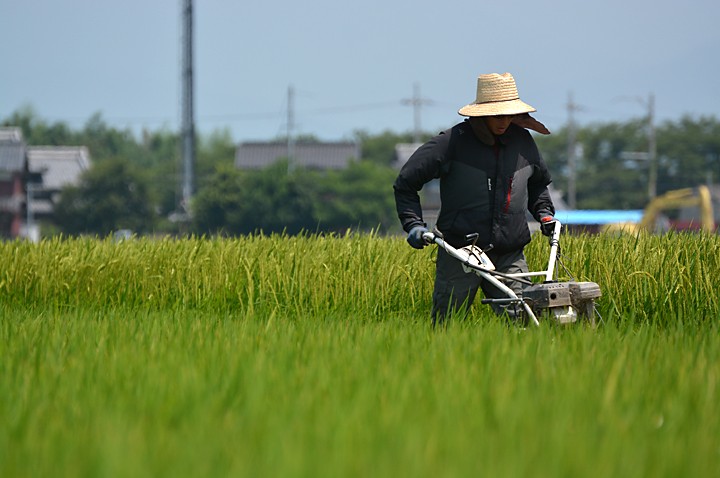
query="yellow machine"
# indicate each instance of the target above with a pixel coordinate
(680, 198)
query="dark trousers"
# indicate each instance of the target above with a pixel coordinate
(455, 289)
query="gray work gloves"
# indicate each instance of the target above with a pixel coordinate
(415, 238)
(547, 225)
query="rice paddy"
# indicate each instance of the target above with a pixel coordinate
(314, 356)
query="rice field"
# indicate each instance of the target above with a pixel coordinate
(313, 356)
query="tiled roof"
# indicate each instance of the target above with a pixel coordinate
(12, 150)
(256, 155)
(10, 133)
(60, 165)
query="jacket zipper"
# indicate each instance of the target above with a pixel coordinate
(508, 196)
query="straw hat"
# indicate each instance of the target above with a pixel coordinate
(496, 95)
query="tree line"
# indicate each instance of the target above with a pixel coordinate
(688, 155)
(134, 181)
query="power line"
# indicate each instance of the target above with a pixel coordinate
(253, 116)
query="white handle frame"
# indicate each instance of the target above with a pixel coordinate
(482, 265)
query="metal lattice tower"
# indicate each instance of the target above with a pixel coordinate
(188, 120)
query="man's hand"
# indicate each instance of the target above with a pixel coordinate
(547, 225)
(415, 238)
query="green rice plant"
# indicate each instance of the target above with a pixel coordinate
(662, 279)
(198, 393)
(257, 275)
(659, 278)
(314, 356)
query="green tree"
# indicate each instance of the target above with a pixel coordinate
(271, 200)
(38, 132)
(106, 142)
(380, 149)
(112, 195)
(358, 197)
(688, 153)
(604, 178)
(159, 158)
(215, 149)
(215, 206)
(242, 202)
(237, 202)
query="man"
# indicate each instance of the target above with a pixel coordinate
(491, 173)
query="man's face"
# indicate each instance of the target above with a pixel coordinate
(498, 124)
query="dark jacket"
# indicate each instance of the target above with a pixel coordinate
(486, 186)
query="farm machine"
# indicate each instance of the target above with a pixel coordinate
(542, 296)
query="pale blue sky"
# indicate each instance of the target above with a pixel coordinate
(352, 63)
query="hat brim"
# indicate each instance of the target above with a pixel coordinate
(511, 107)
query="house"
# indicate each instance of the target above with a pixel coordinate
(34, 176)
(258, 155)
(13, 170)
(52, 168)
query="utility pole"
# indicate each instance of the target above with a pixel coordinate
(188, 121)
(652, 149)
(650, 156)
(417, 102)
(571, 153)
(291, 128)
